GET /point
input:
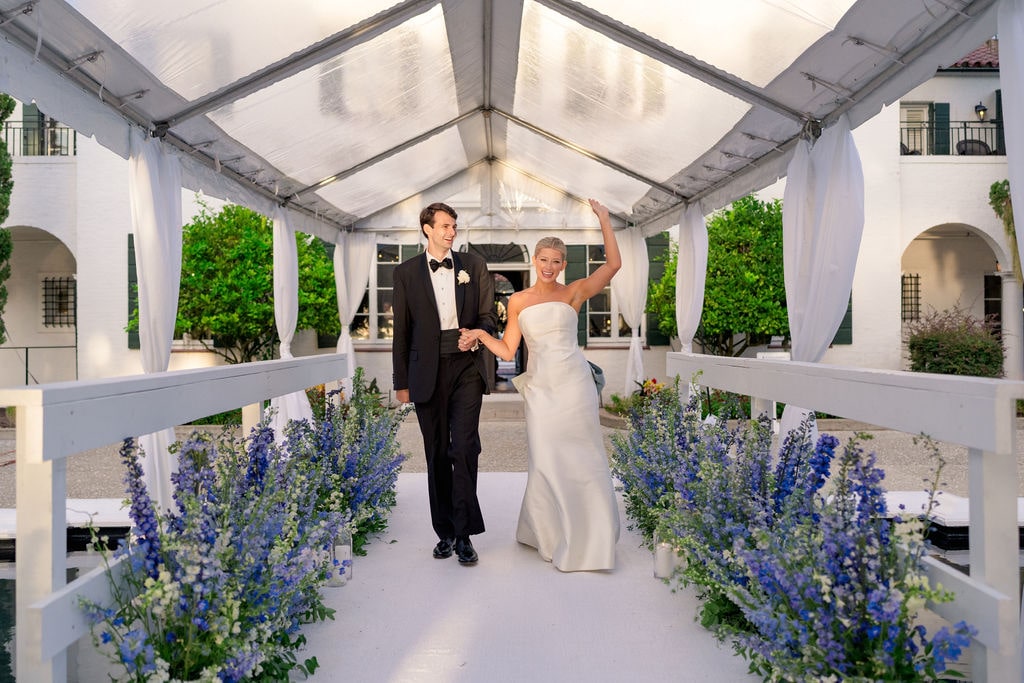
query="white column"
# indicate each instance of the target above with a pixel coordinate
(1012, 317)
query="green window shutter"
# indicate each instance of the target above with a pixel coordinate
(576, 268)
(657, 250)
(844, 335)
(133, 292)
(1000, 137)
(410, 250)
(940, 128)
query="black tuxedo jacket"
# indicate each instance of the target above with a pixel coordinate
(417, 327)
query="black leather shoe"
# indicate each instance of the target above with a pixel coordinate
(443, 549)
(464, 549)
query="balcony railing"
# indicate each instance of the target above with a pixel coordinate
(49, 140)
(968, 138)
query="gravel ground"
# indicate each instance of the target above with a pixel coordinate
(97, 473)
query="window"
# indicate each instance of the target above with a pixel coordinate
(911, 297)
(600, 318)
(374, 319)
(59, 301)
(994, 302)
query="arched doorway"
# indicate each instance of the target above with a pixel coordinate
(41, 311)
(510, 267)
(950, 267)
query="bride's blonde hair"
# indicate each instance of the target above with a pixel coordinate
(551, 243)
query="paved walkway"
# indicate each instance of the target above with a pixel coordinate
(406, 617)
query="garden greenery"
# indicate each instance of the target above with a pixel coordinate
(795, 556)
(218, 588)
(954, 342)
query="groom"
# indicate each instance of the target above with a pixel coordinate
(435, 294)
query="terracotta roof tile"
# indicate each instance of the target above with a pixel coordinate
(986, 56)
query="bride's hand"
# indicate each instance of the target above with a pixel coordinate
(468, 338)
(599, 209)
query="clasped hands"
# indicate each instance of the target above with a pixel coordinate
(468, 339)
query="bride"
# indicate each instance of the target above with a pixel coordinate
(569, 512)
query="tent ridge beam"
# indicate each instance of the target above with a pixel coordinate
(352, 170)
(659, 51)
(671, 191)
(304, 59)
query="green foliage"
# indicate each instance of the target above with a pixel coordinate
(999, 200)
(953, 342)
(229, 418)
(6, 186)
(227, 284)
(744, 293)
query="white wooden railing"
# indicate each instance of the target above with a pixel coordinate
(56, 421)
(973, 412)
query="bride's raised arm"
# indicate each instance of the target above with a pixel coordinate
(599, 279)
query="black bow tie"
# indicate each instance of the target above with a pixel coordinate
(434, 265)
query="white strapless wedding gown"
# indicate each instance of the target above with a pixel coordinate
(569, 512)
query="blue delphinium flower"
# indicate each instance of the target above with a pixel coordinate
(799, 563)
(221, 587)
(141, 511)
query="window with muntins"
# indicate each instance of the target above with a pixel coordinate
(911, 297)
(375, 317)
(59, 301)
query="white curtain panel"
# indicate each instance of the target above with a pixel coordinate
(691, 273)
(822, 223)
(354, 256)
(293, 406)
(629, 287)
(154, 186)
(1011, 82)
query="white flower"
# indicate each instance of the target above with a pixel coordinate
(463, 277)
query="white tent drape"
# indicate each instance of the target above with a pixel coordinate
(353, 259)
(822, 223)
(154, 186)
(1011, 82)
(293, 406)
(629, 287)
(691, 273)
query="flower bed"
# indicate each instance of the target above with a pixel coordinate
(796, 558)
(218, 589)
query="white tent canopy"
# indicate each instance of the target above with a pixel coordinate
(350, 114)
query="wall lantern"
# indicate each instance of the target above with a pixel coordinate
(980, 110)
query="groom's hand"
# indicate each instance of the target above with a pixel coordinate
(468, 340)
(402, 395)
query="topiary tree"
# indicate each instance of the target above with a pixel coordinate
(6, 185)
(745, 292)
(227, 285)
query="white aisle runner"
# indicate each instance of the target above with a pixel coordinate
(406, 617)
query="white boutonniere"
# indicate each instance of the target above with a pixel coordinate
(463, 277)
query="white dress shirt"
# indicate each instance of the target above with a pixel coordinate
(443, 280)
